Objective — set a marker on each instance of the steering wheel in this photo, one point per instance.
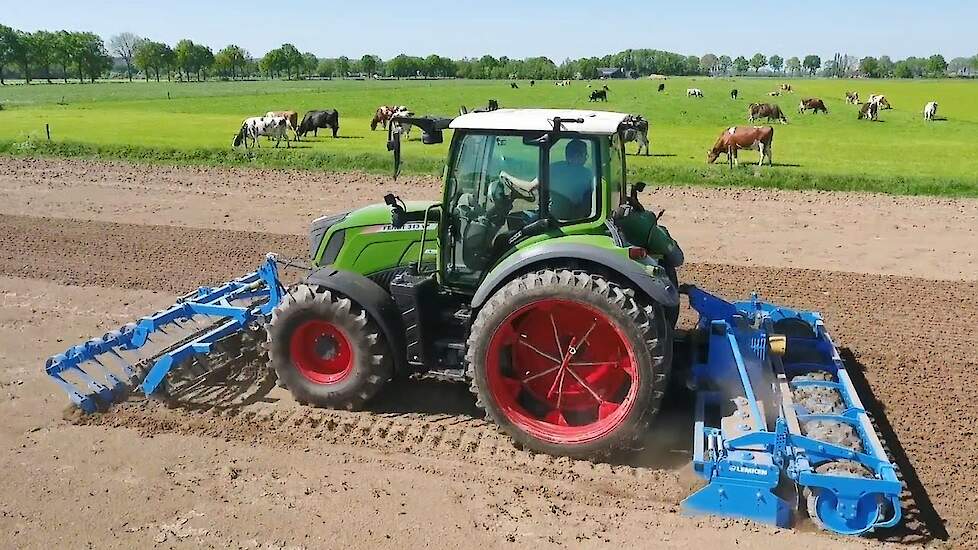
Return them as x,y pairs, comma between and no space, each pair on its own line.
515,191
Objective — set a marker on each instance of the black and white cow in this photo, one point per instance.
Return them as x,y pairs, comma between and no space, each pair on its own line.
275,127
636,129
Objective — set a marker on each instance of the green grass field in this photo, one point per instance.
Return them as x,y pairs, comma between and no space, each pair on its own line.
901,154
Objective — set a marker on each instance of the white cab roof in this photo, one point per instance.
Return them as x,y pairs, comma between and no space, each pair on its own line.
595,122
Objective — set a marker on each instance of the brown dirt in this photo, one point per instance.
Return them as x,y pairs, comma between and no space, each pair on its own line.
421,468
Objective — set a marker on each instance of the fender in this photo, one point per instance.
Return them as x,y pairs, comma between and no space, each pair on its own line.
658,288
377,303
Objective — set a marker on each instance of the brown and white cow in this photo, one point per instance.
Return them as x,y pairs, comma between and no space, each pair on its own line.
869,111
291,117
384,114
852,98
786,88
758,138
880,100
765,110
812,104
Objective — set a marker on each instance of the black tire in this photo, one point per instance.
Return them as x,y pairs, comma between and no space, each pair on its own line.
642,322
371,366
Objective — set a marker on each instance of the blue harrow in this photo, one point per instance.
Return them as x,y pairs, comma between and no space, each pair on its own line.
778,421
104,370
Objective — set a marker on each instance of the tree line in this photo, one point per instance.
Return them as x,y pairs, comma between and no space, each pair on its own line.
84,55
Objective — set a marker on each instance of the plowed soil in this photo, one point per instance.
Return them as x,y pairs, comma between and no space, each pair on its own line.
86,247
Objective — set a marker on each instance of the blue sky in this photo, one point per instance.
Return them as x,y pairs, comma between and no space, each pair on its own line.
557,29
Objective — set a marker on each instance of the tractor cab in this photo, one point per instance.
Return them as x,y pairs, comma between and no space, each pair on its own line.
517,176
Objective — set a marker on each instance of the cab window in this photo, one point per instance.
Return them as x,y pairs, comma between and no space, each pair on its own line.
573,179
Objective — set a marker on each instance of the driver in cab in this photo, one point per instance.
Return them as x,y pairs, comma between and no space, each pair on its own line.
571,183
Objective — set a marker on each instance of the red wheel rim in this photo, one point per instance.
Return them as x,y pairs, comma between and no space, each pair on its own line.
321,352
562,371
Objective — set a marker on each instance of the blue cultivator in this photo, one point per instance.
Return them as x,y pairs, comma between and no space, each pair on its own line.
777,418
103,370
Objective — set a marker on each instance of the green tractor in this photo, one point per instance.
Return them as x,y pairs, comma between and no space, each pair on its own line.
538,279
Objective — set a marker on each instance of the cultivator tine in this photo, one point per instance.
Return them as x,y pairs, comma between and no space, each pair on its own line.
102,371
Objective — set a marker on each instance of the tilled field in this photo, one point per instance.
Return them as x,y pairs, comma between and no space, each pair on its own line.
421,468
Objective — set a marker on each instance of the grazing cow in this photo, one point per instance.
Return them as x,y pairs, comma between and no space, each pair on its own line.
563,83
636,129
765,110
514,86
291,116
930,111
404,128
533,83
775,93
694,92
384,114
852,98
314,120
735,93
599,95
813,104
253,127
881,101
786,88
662,86
758,138
869,111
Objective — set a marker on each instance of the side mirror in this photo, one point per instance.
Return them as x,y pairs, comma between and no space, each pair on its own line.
433,137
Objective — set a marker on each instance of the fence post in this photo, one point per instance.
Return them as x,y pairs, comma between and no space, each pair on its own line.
47,130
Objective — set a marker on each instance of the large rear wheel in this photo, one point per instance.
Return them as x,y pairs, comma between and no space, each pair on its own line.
568,363
326,349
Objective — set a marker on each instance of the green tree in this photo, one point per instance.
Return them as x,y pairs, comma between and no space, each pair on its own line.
124,45
90,56
812,64
291,60
343,66
885,66
21,48
203,60
710,63
741,64
8,47
936,66
183,54
41,45
869,66
758,62
309,63
725,63
369,64
776,62
231,60
63,51
272,62
903,70
326,68
793,65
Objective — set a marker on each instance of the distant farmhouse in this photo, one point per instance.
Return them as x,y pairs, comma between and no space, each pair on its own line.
611,72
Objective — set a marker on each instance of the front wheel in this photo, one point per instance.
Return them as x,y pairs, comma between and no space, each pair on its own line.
569,363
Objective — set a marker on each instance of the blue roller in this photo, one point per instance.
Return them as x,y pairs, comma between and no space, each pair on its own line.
777,417
102,371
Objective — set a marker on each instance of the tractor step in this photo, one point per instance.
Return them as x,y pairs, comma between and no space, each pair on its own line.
774,404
